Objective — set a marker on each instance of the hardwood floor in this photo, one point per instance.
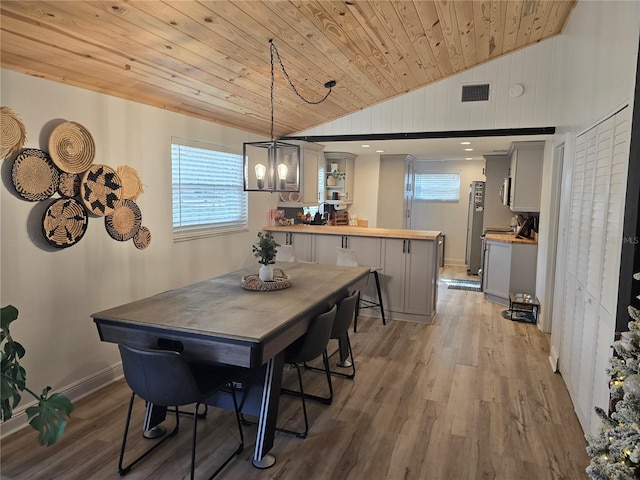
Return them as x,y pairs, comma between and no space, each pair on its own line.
470,397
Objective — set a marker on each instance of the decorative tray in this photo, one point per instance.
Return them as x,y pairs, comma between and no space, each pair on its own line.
280,281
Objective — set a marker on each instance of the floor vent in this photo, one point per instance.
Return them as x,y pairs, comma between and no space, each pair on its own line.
475,93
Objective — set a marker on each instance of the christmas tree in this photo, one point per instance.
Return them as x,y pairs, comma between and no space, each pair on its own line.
615,450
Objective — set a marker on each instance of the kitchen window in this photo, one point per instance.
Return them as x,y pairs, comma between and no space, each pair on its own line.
208,196
437,187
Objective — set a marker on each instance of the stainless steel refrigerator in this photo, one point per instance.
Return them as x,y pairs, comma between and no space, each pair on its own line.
473,256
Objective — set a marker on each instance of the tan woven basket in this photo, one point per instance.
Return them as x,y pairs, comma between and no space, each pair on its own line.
124,222
12,133
69,185
142,238
34,175
131,184
71,147
64,222
280,281
101,190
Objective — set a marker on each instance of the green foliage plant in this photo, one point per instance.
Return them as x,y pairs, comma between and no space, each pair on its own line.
265,248
48,416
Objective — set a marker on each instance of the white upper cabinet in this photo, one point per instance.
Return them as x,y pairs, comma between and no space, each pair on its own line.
526,176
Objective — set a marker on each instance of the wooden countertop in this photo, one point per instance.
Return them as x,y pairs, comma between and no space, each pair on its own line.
509,238
359,231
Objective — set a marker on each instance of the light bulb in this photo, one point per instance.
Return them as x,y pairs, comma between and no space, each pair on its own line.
261,171
282,175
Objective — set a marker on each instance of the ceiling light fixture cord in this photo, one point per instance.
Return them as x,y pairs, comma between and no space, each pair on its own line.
274,52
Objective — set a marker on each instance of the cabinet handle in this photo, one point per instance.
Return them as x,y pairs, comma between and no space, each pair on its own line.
404,246
408,246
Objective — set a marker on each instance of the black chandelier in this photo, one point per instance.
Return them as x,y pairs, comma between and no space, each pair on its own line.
274,166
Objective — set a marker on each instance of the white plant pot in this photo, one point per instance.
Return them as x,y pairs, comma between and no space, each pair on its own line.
266,273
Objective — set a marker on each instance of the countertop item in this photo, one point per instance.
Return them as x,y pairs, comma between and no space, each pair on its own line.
359,231
509,238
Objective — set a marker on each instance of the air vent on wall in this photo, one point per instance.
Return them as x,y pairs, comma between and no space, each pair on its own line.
475,93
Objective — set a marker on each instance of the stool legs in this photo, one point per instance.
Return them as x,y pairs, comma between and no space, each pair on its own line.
371,304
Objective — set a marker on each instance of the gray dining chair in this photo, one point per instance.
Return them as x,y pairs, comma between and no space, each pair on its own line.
309,347
164,378
340,331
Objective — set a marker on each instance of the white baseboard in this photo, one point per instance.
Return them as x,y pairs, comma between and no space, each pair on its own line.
553,359
74,392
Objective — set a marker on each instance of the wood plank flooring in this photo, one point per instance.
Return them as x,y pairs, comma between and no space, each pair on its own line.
470,397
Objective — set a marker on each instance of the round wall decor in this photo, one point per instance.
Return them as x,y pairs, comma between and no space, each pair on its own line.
131,183
34,175
124,222
12,133
101,190
64,222
71,147
69,185
142,238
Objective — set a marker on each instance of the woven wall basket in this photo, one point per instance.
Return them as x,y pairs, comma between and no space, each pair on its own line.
34,175
12,133
131,184
64,222
124,222
71,147
142,238
69,184
101,190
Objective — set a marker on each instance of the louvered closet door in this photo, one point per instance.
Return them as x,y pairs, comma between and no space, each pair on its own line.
593,262
598,161
612,247
567,365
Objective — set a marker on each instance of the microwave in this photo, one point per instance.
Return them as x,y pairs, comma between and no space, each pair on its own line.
505,191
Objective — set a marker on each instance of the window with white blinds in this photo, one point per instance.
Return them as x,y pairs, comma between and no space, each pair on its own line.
208,195
437,187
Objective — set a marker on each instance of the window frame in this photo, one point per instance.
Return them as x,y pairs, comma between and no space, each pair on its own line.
458,176
194,231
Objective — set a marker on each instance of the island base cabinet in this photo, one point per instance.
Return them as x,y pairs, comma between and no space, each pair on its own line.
302,244
409,284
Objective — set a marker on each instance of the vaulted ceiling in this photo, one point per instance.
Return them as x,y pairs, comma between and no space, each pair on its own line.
210,59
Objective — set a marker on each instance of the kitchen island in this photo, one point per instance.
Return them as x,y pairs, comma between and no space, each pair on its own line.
408,258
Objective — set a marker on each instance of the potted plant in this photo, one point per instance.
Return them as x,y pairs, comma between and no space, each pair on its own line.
334,177
48,416
265,250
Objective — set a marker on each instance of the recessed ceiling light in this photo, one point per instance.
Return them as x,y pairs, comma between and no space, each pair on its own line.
365,146
379,151
468,149
465,143
469,158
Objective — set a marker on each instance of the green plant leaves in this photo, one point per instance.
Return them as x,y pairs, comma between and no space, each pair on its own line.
48,417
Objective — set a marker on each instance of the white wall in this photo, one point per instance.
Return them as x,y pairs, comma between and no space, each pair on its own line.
437,107
56,291
448,217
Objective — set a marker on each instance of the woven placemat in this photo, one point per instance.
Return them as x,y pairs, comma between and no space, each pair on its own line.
64,222
34,175
142,238
12,133
101,190
69,184
124,222
131,183
71,147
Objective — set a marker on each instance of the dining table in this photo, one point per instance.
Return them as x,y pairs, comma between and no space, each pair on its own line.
219,321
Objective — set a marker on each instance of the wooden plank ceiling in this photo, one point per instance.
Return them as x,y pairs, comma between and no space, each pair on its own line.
210,59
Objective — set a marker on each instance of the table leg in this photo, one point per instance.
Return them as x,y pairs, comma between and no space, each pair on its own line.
268,412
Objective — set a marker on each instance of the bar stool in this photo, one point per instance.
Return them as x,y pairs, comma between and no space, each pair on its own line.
347,257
